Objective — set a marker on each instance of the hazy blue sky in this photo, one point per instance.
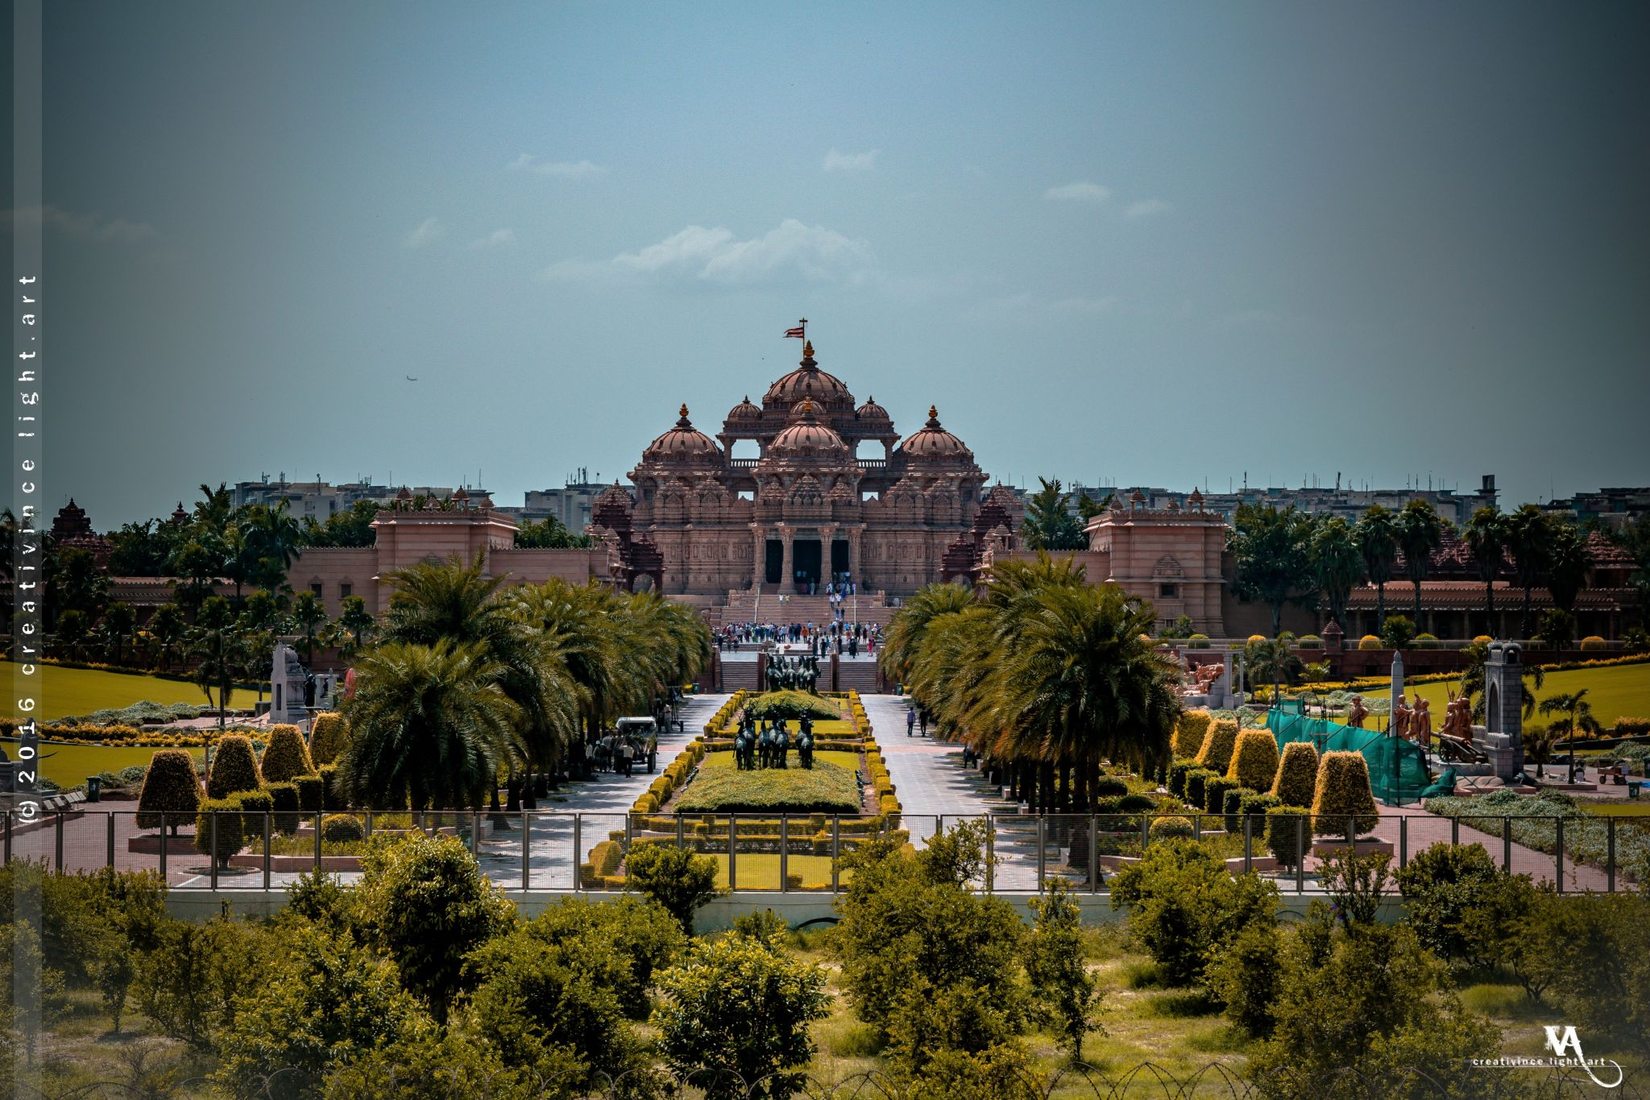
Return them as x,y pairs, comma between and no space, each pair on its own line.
1157,243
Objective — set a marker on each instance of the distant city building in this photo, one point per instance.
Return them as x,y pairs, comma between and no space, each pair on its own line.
571,505
1611,508
1454,506
320,499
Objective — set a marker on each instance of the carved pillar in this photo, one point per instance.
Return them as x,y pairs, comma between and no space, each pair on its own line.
854,534
827,537
760,570
787,574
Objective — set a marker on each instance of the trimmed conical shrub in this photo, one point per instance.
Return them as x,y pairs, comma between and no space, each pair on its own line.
1218,743
1255,760
1297,779
328,737
1343,795
170,787
234,768
286,757
1189,731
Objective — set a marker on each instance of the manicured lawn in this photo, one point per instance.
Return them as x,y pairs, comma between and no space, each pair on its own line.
62,692
1614,692
69,765
826,788
849,760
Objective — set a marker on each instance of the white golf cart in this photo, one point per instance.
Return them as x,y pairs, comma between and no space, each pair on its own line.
643,736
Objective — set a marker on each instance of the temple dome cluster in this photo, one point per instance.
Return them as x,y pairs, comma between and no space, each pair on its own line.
831,492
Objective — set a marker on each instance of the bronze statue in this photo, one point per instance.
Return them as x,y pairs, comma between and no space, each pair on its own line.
1400,718
1357,713
1420,722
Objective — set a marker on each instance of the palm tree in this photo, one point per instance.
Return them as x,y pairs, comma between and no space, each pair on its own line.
1578,718
1529,540
309,615
167,628
119,622
356,623
1270,549
1487,540
907,630
1337,562
429,726
1377,533
1273,661
1420,531
216,642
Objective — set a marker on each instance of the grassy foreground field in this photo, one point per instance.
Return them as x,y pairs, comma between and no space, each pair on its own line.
62,692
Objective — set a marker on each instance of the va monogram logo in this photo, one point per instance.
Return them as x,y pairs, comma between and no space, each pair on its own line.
1563,1041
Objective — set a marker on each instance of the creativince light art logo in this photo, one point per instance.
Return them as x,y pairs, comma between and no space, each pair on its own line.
1565,1045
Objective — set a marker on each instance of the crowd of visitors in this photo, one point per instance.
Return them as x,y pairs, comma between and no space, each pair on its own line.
839,637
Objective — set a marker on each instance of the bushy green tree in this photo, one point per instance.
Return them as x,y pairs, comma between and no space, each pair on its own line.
1184,906
424,901
1455,901
192,985
677,878
328,1001
452,1065
733,1018
639,934
1245,974
1054,964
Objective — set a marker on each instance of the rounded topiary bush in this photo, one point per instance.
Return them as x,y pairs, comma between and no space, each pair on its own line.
1369,642
169,787
1482,639
1165,828
218,828
1297,778
1309,641
1110,786
1254,760
1343,795
1136,803
1426,641
1195,779
1288,834
1198,641
1592,643
1218,744
234,767
328,737
342,829
286,757
1253,638
1214,793
1189,730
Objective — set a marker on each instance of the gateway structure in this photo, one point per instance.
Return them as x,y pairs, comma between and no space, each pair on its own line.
832,493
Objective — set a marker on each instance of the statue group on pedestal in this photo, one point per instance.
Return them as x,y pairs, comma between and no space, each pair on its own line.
1413,722
768,745
799,673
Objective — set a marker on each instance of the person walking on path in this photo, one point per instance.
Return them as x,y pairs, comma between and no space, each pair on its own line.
910,721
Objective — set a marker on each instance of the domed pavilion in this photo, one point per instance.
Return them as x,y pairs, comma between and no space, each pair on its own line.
833,492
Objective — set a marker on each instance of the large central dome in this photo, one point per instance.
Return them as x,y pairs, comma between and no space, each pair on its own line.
806,437
808,382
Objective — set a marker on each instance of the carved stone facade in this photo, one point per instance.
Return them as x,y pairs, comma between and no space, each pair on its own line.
809,508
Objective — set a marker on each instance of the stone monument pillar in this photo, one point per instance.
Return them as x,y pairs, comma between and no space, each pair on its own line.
1504,708
286,687
1397,696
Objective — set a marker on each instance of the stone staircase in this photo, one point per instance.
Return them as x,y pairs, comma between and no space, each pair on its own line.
744,606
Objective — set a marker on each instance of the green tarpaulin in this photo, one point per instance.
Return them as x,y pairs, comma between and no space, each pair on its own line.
1397,768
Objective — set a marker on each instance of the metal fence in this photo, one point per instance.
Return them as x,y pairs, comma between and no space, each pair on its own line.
563,851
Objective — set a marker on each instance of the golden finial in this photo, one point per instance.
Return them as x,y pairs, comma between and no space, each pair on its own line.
807,349
683,412
933,412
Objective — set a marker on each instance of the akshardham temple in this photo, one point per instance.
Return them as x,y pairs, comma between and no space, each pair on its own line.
833,493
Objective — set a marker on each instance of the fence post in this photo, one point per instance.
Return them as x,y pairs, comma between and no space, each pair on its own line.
212,833
990,853
527,852
1506,844
784,849
267,846
111,840
1455,830
1300,853
733,842
1558,853
59,829
1094,854
475,833
8,839
836,852
162,844
1042,852
1197,826
1610,854
1403,842
1248,843
318,840
578,845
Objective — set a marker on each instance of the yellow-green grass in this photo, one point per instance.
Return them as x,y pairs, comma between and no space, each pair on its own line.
826,788
760,870
849,760
69,765
61,692
1616,691
1612,809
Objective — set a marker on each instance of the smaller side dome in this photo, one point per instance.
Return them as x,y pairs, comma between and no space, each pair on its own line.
932,442
683,444
743,415
873,416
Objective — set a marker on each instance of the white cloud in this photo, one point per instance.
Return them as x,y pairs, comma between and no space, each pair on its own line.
561,169
86,227
498,238
791,250
1082,191
427,231
1147,208
851,162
